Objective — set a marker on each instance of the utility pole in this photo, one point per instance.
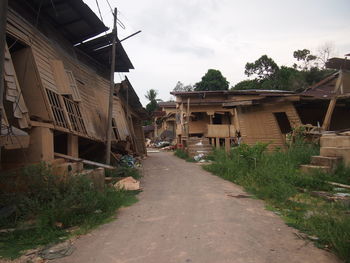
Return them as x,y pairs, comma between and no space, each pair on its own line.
3,18
111,90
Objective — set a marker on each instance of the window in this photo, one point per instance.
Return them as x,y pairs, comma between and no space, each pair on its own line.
73,86
65,80
75,117
283,122
115,129
57,109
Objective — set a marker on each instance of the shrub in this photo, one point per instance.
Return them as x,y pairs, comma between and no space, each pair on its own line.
275,177
52,203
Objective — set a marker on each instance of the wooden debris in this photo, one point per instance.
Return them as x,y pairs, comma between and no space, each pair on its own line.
340,185
60,155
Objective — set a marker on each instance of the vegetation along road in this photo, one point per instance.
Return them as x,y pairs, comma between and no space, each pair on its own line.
185,214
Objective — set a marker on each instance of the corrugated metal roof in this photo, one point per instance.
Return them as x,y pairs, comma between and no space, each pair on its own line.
128,93
101,48
235,92
73,18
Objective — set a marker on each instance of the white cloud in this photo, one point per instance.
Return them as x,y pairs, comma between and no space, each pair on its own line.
182,39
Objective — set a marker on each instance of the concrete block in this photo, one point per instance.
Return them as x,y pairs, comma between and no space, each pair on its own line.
65,169
343,152
97,176
335,141
332,162
308,168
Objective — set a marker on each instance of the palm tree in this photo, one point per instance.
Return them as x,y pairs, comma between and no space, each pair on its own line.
151,95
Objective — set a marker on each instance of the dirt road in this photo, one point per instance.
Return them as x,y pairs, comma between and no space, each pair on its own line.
186,215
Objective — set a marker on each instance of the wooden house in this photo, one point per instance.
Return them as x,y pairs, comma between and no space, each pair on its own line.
57,85
228,117
164,121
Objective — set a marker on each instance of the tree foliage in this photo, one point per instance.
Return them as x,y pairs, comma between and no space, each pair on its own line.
151,95
212,80
263,68
270,76
305,57
180,87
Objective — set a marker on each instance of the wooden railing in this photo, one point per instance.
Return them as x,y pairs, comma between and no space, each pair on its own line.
220,131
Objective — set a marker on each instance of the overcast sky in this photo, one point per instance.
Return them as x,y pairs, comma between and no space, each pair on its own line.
182,39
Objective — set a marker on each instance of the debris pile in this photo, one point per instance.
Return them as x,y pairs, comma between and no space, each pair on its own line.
128,183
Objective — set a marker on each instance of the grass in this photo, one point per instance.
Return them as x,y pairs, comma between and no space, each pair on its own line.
275,178
123,171
183,155
51,205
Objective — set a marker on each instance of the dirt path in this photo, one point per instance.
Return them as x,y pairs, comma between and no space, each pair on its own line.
185,215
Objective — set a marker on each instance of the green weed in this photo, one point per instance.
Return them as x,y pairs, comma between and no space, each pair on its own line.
276,178
51,204
183,155
123,171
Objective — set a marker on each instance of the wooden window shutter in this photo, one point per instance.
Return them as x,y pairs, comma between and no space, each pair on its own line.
73,86
60,76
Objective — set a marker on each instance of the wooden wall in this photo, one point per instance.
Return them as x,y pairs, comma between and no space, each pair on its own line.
92,87
258,123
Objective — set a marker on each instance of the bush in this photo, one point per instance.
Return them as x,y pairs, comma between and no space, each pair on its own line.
275,177
50,204
183,155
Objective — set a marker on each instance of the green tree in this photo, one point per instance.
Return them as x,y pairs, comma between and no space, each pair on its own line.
247,84
151,95
263,68
212,80
305,57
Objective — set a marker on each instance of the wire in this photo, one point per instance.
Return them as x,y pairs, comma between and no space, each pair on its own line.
54,8
120,23
110,7
99,10
38,14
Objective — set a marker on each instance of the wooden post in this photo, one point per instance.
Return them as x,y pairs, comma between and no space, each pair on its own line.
227,145
327,119
217,142
73,145
3,18
188,119
111,90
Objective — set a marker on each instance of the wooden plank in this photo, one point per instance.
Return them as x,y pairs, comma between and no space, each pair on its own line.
60,76
42,124
340,185
238,103
332,103
71,158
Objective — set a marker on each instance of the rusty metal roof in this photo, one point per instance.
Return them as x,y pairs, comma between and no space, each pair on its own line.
73,18
338,63
235,92
130,97
101,48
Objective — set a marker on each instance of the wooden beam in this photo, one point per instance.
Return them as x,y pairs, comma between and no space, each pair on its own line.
71,158
227,145
238,103
332,103
217,142
188,118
